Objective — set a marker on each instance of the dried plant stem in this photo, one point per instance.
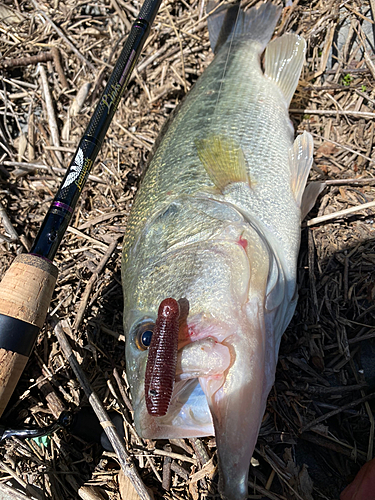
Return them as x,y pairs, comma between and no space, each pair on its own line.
28,487
75,231
11,494
32,166
264,492
121,389
85,296
14,62
50,111
340,213
134,137
53,55
125,461
365,180
345,147
31,138
65,38
331,112
56,59
181,49
342,408
8,226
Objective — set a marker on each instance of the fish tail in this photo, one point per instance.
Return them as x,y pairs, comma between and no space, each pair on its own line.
231,22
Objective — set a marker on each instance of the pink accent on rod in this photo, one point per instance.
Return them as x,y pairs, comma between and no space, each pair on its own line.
162,359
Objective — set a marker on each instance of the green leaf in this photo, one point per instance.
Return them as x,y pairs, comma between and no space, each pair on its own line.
347,80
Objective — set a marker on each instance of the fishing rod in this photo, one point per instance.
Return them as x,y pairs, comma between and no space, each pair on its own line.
27,286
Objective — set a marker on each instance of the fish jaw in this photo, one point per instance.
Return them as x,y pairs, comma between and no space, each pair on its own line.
225,397
189,414
238,406
202,362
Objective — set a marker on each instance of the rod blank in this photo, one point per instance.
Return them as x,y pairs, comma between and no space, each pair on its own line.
27,287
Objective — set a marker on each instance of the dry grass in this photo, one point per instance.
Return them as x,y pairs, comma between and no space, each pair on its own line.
318,428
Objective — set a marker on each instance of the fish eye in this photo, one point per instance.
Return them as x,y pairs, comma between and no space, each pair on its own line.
143,334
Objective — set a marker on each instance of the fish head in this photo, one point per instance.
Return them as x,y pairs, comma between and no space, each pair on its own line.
210,282
226,349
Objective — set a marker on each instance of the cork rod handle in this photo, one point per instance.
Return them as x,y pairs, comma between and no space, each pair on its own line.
25,294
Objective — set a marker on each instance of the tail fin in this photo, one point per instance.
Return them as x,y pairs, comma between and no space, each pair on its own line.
258,23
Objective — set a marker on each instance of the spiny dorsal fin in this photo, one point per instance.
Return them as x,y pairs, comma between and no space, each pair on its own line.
223,160
283,61
258,23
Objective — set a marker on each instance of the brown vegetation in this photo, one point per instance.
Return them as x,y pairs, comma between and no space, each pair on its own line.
319,426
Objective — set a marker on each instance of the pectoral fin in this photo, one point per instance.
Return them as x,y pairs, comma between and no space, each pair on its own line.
223,160
300,161
310,195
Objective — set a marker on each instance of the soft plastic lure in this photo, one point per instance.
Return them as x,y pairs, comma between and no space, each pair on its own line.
162,359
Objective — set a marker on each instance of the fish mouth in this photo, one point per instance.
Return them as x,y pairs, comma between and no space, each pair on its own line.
238,406
221,389
201,369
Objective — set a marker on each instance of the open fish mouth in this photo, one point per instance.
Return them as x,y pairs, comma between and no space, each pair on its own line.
201,370
221,385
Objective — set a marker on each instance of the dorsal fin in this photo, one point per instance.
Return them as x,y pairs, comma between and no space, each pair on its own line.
258,23
283,61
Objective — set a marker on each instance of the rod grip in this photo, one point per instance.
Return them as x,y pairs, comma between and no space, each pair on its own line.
25,294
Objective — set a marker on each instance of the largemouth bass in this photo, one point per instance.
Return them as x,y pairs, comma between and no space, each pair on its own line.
216,226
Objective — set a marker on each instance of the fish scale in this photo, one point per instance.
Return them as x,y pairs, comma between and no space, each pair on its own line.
255,114
216,223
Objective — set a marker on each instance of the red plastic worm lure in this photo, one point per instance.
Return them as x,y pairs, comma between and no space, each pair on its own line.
162,359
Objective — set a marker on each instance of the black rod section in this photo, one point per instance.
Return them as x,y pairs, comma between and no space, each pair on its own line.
61,210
